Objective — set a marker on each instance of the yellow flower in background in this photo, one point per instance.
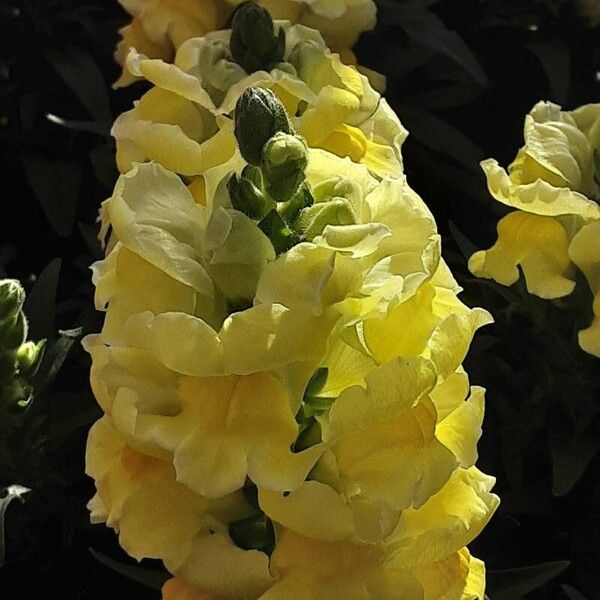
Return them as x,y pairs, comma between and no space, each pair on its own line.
554,183
184,122
280,370
159,27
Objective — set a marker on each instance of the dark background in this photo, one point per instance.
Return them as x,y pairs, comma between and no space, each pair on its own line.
462,75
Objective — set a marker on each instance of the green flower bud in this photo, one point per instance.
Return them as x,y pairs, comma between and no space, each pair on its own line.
13,332
254,45
12,297
259,115
29,357
285,158
248,197
312,220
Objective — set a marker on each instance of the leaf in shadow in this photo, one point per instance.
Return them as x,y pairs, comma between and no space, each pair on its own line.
572,593
513,584
152,579
54,358
571,456
84,78
41,302
465,245
555,58
56,184
437,134
429,30
9,494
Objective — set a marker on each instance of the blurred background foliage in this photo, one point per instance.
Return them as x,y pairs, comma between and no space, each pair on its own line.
462,75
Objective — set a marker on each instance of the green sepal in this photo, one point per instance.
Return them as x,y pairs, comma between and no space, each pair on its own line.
253,533
276,229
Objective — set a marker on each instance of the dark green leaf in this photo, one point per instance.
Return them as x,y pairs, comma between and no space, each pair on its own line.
54,358
439,135
466,246
40,305
555,58
83,76
428,29
9,494
56,184
571,456
513,584
152,579
572,593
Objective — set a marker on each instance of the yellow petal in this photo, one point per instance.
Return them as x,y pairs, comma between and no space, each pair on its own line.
539,245
448,521
383,436
179,589
157,517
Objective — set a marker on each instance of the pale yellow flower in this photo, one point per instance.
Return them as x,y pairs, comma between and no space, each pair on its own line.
283,342
158,517
184,121
423,557
159,27
553,184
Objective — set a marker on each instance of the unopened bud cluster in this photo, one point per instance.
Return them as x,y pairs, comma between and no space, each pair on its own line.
19,359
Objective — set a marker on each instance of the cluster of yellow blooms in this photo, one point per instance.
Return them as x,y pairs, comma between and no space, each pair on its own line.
280,367
554,183
159,27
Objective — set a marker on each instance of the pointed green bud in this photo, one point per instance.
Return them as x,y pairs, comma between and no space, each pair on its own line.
285,158
254,44
13,332
259,115
12,297
248,197
29,357
312,220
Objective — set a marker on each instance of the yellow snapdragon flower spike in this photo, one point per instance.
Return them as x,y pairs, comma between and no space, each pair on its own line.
159,27
184,121
554,186
286,414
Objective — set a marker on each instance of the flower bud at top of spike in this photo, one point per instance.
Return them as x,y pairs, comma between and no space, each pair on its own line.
254,45
12,297
259,115
13,332
284,162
